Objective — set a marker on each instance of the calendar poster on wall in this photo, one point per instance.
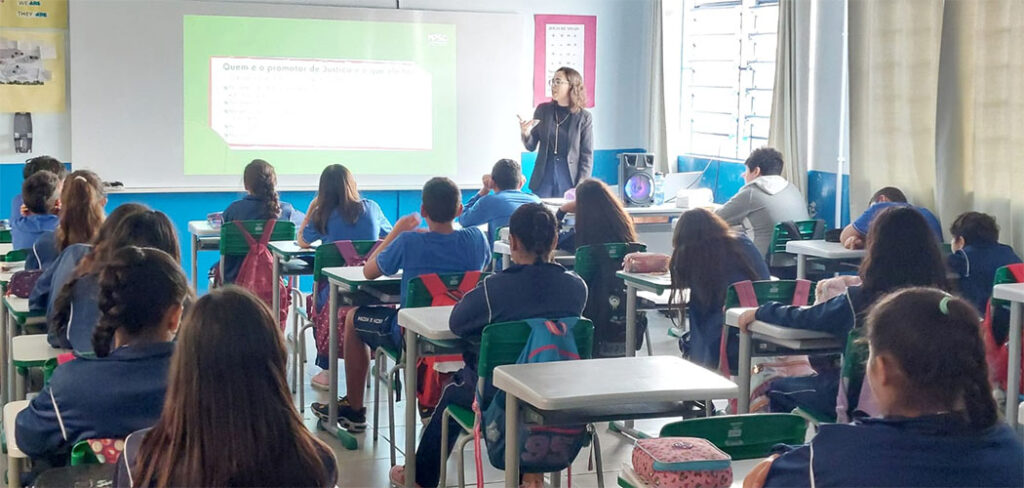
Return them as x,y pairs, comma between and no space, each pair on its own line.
563,40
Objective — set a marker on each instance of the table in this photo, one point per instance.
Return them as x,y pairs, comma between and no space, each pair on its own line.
595,390
14,455
205,237
819,249
1014,293
430,323
801,340
656,283
5,248
284,251
349,279
16,313
30,351
565,258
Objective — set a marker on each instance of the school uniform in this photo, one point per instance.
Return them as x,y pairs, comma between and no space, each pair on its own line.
88,398
544,290
25,229
44,251
936,450
762,203
54,277
494,209
85,314
863,223
252,208
975,266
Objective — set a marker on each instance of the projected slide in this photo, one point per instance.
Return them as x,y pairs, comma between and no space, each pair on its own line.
376,96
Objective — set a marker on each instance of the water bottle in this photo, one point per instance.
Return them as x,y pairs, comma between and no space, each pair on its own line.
659,188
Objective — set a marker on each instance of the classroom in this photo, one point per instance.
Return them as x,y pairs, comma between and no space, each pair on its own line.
419,243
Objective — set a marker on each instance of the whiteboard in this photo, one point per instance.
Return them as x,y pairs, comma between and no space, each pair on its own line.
126,90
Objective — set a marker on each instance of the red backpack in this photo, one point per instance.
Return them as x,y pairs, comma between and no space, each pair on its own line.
998,355
256,273
441,295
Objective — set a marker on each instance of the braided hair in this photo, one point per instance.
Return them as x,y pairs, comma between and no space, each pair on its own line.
535,228
261,181
936,341
136,288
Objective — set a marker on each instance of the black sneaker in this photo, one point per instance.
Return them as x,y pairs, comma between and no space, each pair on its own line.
349,418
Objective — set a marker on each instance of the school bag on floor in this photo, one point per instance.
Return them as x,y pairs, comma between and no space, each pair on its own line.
542,448
256,273
681,462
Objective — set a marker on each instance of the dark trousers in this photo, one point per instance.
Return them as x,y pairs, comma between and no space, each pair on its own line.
557,178
815,394
428,453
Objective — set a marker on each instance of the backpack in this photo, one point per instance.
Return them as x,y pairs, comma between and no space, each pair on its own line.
256,273
22,282
543,448
441,295
995,333
320,316
606,301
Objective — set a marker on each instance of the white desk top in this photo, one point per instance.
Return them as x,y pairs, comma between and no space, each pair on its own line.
354,275
5,248
611,381
1013,292
655,282
776,331
33,348
823,249
428,322
665,209
11,410
290,248
202,228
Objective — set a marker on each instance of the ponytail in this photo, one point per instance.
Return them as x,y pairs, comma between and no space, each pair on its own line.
535,228
81,213
261,182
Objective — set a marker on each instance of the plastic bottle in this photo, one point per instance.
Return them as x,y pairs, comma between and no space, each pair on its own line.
659,188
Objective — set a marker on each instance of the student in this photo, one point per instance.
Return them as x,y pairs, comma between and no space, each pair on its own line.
442,249
39,193
230,352
855,233
506,179
600,218
74,315
765,200
901,252
977,254
82,200
121,389
938,425
339,214
707,258
33,166
533,287
261,203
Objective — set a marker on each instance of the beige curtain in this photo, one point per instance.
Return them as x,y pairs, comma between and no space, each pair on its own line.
666,53
787,129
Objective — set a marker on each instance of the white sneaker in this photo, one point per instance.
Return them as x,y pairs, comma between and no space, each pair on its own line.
319,381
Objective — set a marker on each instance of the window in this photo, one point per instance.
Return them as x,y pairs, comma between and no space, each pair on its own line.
728,71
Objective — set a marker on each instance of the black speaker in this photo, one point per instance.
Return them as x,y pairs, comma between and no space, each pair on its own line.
636,179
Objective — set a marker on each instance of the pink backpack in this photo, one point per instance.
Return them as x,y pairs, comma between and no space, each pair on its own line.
320,315
256,273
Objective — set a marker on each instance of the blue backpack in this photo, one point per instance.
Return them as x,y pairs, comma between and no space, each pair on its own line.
543,448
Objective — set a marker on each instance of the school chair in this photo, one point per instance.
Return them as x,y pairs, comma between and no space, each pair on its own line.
743,436
5,236
496,264
233,242
780,262
501,344
606,296
995,327
419,293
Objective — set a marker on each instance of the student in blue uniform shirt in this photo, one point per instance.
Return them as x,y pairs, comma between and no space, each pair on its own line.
855,234
706,258
82,200
33,166
121,390
494,209
261,203
442,249
977,254
901,252
939,424
532,288
39,192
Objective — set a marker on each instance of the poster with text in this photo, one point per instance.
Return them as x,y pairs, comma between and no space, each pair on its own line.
34,14
563,40
32,69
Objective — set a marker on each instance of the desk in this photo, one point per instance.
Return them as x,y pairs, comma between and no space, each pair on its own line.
430,323
1014,293
595,390
349,279
656,283
16,313
14,455
819,249
30,351
205,237
795,339
283,251
5,248
565,258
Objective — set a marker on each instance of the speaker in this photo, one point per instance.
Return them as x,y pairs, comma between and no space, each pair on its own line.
636,179
22,132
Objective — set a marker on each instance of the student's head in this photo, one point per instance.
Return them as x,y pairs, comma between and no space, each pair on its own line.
115,218
927,356
765,161
43,163
702,248
337,193
81,211
228,418
507,174
974,228
567,85
901,252
533,233
39,192
142,291
600,218
888,194
441,200
261,182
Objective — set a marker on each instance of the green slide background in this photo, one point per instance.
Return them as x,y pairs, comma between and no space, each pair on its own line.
205,36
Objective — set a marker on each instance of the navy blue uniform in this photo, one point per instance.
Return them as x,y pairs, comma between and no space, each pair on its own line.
975,266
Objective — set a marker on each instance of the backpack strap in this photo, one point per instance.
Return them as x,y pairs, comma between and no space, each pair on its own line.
439,293
791,230
469,281
268,232
351,256
745,293
1017,270
248,237
801,293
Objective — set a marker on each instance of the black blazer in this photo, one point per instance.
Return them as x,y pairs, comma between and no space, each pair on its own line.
581,143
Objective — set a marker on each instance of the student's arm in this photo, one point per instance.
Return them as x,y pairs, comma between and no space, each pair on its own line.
475,212
736,209
38,427
851,237
836,316
389,265
531,140
307,234
790,469
958,263
382,220
39,298
585,163
472,313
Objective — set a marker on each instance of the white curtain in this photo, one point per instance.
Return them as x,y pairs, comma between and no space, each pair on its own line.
788,128
666,54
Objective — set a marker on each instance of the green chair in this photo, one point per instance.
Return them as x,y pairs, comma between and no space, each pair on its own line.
743,436
233,243
5,236
606,300
782,262
501,344
16,256
765,291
